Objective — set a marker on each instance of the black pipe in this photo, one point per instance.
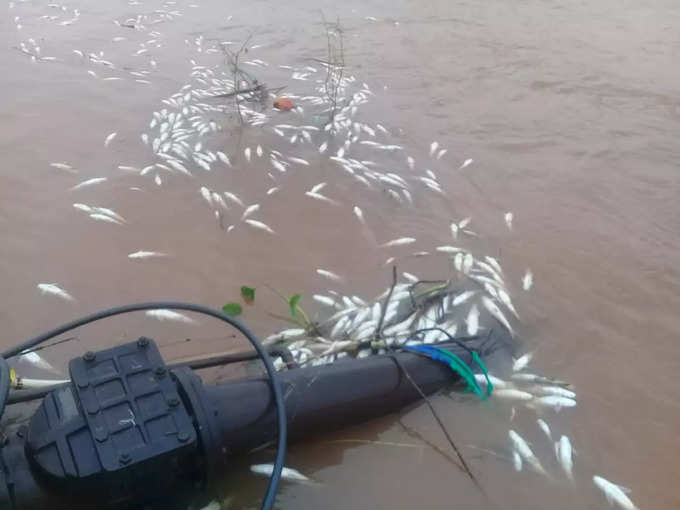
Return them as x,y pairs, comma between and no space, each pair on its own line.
230,418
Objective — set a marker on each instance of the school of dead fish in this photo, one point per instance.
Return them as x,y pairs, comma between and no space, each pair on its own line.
178,139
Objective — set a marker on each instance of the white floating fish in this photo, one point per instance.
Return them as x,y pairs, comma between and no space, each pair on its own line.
321,198
496,313
55,290
516,460
63,166
614,493
273,190
324,300
523,449
146,254
299,161
260,225
258,151
463,297
508,219
522,362
512,394
433,148
158,180
105,218
554,402
109,139
527,280
170,315
411,162
289,474
472,321
545,428
318,187
234,198
399,242
359,214
564,456
468,262
465,164
89,182
329,274
246,152
323,147
250,210
34,359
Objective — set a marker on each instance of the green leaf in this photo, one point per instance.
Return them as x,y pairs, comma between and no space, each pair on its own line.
248,294
293,304
232,309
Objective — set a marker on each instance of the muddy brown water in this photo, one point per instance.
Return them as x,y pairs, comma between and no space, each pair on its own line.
571,112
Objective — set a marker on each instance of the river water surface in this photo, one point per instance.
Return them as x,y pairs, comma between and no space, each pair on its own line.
571,113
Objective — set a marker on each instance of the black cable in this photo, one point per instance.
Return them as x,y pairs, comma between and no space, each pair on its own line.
275,478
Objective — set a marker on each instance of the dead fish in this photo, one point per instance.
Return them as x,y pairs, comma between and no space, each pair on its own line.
207,195
614,493
329,274
89,182
555,390
146,254
472,321
522,362
323,147
553,401
495,381
63,166
320,197
463,297
521,446
454,230
55,290
289,474
468,262
233,198
324,300
278,165
512,394
441,153
36,360
260,225
359,214
465,164
246,152
126,168
158,180
433,147
104,217
496,313
224,158
273,190
399,242
508,219
563,451
448,249
527,280
163,314
318,187
545,428
250,210
109,139
258,151
299,161
516,460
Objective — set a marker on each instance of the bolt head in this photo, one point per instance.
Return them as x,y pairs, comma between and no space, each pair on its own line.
89,356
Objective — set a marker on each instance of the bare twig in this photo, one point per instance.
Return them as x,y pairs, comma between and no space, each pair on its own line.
464,464
335,65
